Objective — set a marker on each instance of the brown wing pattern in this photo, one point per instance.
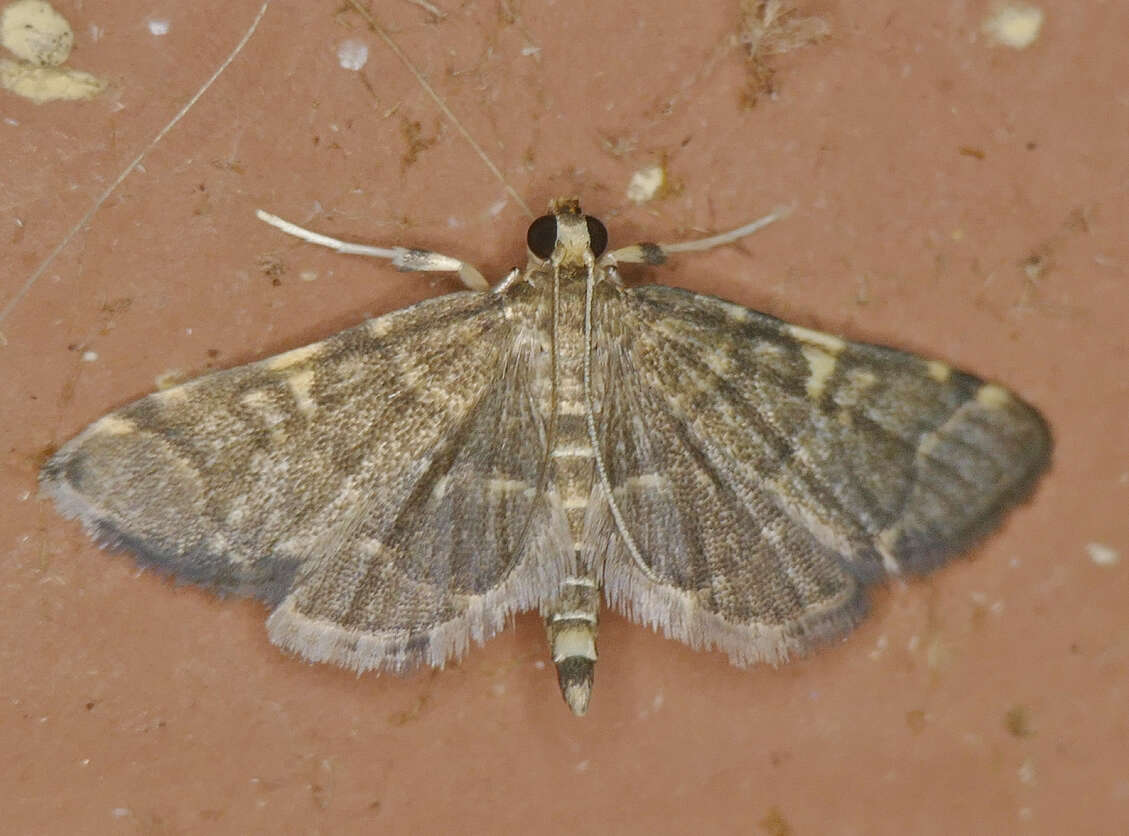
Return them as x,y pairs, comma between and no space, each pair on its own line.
767,472
321,466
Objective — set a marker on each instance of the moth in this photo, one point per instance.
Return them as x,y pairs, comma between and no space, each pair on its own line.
400,489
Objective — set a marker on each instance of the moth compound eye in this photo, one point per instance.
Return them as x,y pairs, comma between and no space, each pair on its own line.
542,236
597,235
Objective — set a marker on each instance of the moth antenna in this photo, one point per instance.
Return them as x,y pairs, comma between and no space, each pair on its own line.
647,253
403,258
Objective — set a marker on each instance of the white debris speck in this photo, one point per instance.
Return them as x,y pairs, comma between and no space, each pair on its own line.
120,812
159,28
530,50
1102,554
352,54
495,208
1015,25
89,356
879,648
645,183
583,766
1027,772
308,275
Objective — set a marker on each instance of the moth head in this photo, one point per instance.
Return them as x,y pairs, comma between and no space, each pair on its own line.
566,235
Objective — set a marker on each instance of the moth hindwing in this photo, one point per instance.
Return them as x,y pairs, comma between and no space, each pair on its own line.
402,487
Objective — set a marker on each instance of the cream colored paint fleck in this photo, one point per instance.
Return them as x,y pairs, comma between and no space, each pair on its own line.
48,84
41,39
1016,25
34,32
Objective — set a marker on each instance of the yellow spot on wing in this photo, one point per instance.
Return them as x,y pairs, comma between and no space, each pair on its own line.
648,481
885,544
832,345
379,327
736,312
292,358
719,363
113,425
172,395
504,486
821,365
256,398
300,384
992,396
937,370
572,502
928,443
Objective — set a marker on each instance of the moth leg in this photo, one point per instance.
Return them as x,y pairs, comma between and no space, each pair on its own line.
572,622
648,253
403,258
